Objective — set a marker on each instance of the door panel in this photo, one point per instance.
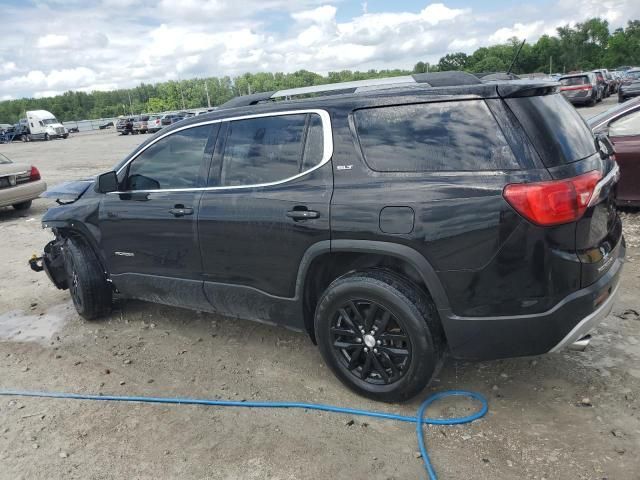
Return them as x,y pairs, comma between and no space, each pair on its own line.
149,230
273,183
247,237
628,158
140,235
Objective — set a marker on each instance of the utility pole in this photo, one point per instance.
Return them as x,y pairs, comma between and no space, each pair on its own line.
206,89
550,64
130,105
249,87
181,93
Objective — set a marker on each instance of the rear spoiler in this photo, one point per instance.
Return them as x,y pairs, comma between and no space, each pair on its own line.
526,89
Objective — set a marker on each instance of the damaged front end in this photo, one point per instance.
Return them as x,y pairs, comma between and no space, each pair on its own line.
52,262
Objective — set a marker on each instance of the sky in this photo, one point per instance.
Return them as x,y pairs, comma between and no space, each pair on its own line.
50,46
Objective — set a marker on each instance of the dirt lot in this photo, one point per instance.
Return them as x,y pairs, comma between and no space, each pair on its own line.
537,426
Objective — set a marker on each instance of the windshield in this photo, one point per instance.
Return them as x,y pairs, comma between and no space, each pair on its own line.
4,159
633,75
50,121
570,81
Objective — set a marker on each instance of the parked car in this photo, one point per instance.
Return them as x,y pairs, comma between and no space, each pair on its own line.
630,85
390,224
125,125
104,126
140,125
622,124
20,183
154,123
603,82
170,118
611,81
581,88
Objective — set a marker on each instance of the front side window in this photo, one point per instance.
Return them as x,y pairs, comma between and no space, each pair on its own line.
628,125
443,136
270,149
172,162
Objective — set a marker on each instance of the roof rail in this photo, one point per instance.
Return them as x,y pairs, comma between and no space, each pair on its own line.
246,100
436,79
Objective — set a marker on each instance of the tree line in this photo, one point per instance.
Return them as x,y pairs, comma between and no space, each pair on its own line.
585,46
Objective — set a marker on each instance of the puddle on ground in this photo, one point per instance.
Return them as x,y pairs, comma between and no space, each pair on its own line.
19,326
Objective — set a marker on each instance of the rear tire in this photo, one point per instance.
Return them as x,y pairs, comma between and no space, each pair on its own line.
90,291
23,205
379,334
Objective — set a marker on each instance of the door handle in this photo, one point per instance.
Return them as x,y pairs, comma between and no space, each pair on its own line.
180,211
302,214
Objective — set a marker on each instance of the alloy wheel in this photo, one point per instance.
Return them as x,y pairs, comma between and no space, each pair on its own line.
370,343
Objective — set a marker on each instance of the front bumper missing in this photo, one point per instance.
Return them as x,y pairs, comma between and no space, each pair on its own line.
52,262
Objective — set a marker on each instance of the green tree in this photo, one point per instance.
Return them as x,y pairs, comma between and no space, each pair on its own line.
453,61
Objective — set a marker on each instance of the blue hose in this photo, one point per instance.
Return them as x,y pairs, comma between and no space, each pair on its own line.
419,420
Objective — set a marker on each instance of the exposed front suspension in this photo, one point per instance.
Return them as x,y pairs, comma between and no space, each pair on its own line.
52,262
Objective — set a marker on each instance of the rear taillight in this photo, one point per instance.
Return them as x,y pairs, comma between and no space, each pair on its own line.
554,202
34,175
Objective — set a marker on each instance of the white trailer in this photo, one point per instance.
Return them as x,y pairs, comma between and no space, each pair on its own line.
43,125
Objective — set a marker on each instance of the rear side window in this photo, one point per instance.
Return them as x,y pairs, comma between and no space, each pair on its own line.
271,149
555,128
446,136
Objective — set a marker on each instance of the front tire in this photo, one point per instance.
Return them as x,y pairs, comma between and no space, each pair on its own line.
379,334
46,137
23,205
90,291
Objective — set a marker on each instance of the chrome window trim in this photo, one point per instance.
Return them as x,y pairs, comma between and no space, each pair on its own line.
326,155
617,117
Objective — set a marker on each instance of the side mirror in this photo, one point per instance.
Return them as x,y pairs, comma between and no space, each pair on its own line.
107,182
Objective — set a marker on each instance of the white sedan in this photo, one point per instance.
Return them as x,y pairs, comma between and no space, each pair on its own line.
19,184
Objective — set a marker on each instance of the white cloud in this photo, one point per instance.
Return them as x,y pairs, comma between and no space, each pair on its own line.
519,30
52,40
120,43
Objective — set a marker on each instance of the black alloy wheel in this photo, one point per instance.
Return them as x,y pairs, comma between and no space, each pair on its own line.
379,333
370,343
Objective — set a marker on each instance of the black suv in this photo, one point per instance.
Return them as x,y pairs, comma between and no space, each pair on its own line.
393,220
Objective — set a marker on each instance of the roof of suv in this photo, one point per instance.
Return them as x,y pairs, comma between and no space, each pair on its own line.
449,85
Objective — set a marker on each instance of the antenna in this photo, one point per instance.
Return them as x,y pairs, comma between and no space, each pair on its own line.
513,62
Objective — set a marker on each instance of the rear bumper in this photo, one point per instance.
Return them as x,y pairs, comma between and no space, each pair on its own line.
628,93
580,100
21,193
485,338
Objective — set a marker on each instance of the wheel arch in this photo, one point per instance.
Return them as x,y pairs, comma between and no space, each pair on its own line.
80,231
327,260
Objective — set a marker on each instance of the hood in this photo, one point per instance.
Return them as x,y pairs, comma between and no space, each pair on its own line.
68,192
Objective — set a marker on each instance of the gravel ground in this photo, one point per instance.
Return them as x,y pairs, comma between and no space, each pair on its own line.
559,416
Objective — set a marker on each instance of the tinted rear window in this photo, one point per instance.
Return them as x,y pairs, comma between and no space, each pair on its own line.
570,81
555,128
445,136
